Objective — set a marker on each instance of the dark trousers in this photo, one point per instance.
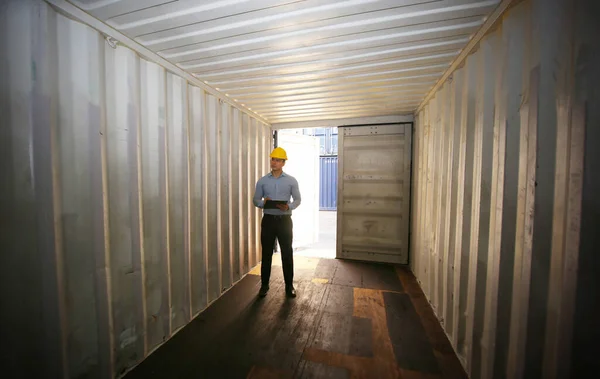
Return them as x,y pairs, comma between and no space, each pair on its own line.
280,227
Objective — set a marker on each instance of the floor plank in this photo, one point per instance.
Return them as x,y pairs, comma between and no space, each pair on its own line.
381,277
411,345
347,274
447,359
357,321
313,370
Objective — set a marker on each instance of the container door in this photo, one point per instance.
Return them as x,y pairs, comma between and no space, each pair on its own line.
303,164
374,193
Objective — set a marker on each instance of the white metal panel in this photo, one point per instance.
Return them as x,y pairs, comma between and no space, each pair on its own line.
177,187
80,199
123,197
374,193
152,161
517,168
235,183
355,58
253,221
225,193
247,191
110,176
212,185
197,199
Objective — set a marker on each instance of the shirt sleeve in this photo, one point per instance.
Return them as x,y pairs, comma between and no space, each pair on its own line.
258,195
295,195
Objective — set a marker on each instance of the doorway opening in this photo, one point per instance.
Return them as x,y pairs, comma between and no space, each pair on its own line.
313,161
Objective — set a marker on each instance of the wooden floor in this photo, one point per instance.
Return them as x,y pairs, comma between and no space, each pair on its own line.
350,320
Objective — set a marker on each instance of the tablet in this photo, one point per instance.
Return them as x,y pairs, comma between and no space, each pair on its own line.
272,204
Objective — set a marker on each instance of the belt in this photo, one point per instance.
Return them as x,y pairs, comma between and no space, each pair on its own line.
277,217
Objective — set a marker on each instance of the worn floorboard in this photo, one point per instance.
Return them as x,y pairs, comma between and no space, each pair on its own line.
350,320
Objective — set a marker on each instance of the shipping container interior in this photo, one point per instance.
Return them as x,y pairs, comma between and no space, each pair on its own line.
133,132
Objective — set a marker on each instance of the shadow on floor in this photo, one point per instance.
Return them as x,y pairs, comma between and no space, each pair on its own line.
350,320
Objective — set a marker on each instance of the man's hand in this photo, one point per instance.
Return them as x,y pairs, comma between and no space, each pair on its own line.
265,200
283,207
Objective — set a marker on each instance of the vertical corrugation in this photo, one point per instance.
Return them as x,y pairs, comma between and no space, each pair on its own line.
516,163
197,204
484,71
474,185
152,125
457,110
266,160
262,158
425,276
488,340
137,220
109,166
257,170
513,31
524,226
446,200
567,206
471,85
176,190
458,214
104,280
120,143
483,185
225,188
251,183
82,203
236,196
246,194
406,187
45,158
416,198
446,241
163,175
441,198
437,135
212,184
203,133
424,258
187,200
33,272
582,261
551,28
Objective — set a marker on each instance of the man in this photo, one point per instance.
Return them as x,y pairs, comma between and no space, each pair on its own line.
277,222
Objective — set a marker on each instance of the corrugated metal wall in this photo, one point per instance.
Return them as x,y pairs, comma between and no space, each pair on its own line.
328,177
126,203
505,195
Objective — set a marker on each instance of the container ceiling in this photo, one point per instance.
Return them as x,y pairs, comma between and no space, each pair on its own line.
291,61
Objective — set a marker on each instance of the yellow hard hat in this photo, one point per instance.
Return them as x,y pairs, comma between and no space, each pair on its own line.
279,153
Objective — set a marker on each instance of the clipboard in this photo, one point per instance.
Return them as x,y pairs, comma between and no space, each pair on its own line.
272,204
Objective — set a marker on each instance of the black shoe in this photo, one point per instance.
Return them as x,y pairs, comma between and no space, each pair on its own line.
290,291
263,291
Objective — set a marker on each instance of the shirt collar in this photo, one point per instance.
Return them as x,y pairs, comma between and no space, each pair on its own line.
282,174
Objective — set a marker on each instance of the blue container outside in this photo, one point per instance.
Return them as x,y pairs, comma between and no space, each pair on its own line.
328,183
